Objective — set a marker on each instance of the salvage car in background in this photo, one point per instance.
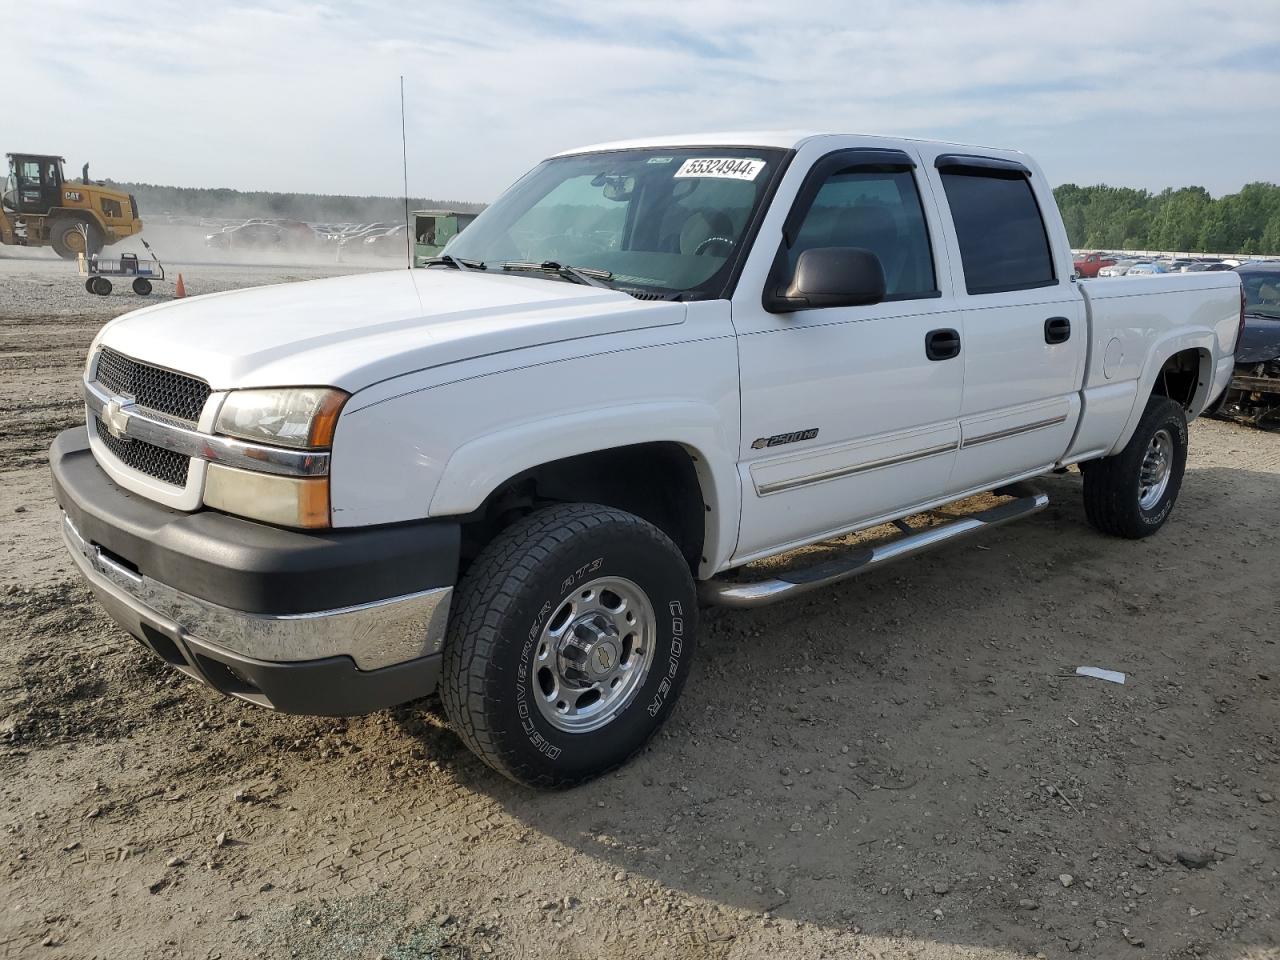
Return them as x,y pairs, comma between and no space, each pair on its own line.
1089,264
386,243
1254,394
1146,268
253,233
1117,269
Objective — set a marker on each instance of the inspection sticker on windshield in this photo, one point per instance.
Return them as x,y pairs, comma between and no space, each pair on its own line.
730,168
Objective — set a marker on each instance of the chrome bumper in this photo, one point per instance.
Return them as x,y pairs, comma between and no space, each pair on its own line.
373,635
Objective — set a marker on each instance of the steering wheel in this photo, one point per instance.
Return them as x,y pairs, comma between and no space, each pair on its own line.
701,248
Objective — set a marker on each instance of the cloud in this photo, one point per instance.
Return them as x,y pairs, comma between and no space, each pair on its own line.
304,96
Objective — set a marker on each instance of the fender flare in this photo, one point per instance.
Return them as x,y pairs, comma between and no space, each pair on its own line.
1161,351
479,467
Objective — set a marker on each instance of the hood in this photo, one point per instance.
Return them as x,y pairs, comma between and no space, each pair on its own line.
1261,340
351,332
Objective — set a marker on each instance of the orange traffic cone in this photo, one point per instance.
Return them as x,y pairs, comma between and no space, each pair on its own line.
181,289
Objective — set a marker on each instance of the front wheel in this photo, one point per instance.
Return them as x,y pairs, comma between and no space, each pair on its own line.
572,635
69,240
1132,493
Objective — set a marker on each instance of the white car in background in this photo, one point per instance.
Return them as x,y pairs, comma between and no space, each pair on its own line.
1117,269
1147,268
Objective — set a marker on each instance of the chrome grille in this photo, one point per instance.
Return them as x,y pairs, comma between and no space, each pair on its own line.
173,394
164,465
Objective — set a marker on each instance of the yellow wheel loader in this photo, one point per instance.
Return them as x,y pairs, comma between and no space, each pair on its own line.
40,208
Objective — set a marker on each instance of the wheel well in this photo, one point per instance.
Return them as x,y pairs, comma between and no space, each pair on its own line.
1181,377
60,214
656,481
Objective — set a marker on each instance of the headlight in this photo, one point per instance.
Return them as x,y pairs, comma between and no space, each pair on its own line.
288,417
300,417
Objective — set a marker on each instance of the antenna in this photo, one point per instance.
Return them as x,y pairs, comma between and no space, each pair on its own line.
404,157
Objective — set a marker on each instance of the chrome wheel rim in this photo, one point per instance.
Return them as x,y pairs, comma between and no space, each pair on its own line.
1157,465
593,654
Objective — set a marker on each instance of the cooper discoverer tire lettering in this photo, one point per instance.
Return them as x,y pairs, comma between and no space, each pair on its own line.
571,639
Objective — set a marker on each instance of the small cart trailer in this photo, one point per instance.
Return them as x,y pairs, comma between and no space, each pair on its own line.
96,270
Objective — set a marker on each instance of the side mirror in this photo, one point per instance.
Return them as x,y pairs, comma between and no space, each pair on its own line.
829,277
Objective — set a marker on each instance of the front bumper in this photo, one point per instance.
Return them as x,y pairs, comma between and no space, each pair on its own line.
328,623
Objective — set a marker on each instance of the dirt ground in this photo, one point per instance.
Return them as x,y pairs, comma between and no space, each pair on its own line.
903,766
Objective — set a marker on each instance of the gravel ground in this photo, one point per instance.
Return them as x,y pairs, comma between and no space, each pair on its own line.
902,766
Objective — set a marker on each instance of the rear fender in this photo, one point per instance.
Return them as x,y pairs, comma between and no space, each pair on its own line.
1203,342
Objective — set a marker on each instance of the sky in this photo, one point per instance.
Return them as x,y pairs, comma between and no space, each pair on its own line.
293,96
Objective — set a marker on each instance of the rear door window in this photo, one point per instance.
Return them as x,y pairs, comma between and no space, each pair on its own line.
1003,242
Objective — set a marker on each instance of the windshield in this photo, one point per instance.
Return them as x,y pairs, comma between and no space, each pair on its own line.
667,222
1262,292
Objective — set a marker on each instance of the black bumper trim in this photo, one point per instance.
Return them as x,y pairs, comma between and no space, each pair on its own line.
333,687
329,687
242,564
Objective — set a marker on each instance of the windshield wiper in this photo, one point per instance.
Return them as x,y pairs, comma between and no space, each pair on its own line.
458,263
591,276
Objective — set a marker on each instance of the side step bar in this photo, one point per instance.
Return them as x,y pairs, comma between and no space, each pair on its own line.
726,593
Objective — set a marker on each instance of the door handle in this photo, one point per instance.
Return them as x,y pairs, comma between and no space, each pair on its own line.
942,344
1057,330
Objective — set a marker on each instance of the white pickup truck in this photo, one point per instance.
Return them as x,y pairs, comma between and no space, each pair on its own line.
512,474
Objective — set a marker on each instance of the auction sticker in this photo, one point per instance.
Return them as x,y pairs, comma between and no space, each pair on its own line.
729,168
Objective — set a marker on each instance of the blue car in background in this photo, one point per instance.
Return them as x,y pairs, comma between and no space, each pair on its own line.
1254,393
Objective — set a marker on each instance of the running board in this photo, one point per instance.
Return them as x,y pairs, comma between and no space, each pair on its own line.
726,593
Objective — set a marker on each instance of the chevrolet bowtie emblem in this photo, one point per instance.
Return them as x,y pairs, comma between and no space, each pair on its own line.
115,418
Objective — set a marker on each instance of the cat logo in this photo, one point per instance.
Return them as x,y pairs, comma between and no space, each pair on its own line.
781,438
71,195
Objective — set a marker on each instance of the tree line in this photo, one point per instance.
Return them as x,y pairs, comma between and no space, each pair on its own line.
1187,219
157,200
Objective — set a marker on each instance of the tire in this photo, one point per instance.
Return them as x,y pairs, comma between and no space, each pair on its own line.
142,286
64,235
522,629
1122,494
101,286
89,284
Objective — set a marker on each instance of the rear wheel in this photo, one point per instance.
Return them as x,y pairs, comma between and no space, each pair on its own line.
1132,493
572,636
69,241
101,286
